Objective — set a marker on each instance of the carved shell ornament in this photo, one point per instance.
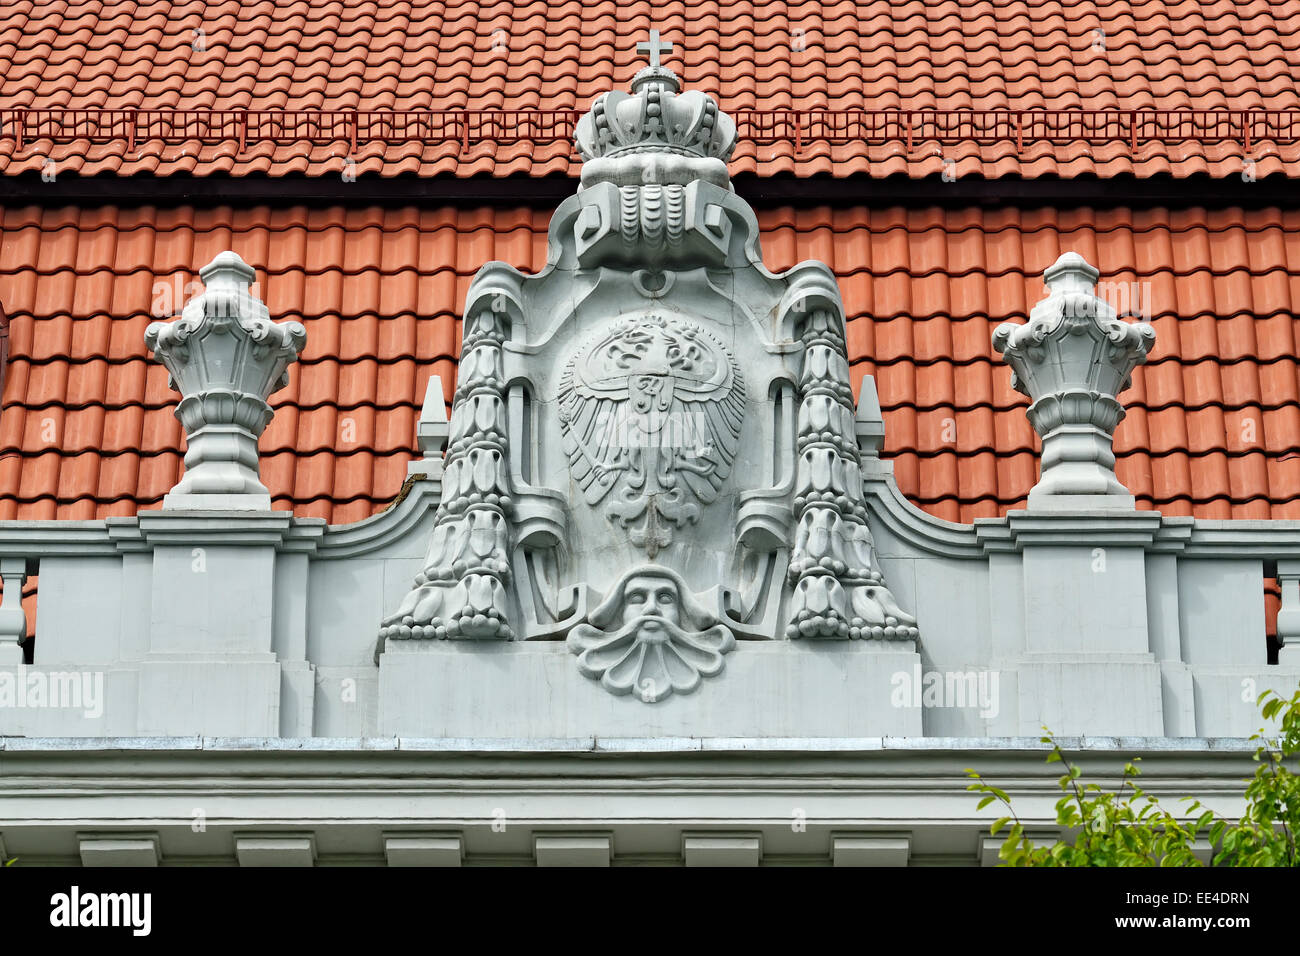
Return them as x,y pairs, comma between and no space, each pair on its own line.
650,637
651,411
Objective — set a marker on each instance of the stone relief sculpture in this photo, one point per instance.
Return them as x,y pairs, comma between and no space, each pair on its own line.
650,636
461,593
652,450
652,408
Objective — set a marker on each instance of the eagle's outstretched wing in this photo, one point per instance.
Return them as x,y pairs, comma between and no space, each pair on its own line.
715,418
593,441
696,433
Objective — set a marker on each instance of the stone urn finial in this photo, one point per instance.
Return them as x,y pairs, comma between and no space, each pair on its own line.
1073,358
225,356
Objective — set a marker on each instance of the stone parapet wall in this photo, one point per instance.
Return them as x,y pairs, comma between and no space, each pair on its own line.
1102,623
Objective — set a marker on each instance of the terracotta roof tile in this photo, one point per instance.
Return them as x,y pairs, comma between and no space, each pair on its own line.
1213,425
1280,381
323,54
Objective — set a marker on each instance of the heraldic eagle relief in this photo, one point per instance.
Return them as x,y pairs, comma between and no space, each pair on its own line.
652,452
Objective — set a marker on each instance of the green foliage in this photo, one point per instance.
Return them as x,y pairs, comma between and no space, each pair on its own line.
1129,827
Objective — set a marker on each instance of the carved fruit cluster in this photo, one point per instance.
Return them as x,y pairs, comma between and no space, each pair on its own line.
461,592
839,592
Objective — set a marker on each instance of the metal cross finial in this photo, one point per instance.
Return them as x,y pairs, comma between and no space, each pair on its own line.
654,48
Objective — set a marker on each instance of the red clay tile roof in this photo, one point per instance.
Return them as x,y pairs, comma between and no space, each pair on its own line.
1213,427
874,54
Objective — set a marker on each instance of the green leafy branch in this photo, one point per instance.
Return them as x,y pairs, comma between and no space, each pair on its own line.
1129,827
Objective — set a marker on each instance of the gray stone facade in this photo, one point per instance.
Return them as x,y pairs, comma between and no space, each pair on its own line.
656,514
655,508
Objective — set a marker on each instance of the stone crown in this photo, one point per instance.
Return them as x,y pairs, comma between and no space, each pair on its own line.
656,117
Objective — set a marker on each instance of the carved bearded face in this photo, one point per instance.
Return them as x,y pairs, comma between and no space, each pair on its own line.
650,601
650,637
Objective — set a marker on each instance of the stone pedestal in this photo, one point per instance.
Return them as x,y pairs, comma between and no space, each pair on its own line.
1090,696
1087,666
210,668
533,690
209,697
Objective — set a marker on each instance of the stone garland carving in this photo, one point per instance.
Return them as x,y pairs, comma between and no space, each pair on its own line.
461,593
839,591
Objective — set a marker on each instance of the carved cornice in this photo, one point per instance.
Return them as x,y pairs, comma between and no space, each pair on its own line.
1022,529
